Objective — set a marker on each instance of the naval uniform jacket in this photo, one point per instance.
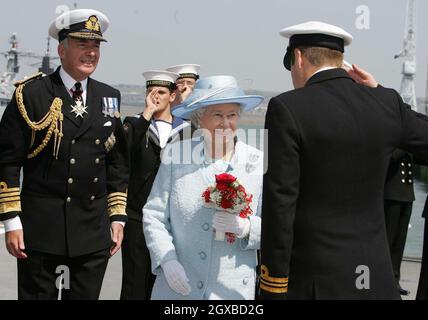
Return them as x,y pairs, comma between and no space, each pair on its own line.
399,179
66,204
145,157
323,225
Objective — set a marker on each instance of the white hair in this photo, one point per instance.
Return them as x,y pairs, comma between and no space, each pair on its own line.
64,43
196,116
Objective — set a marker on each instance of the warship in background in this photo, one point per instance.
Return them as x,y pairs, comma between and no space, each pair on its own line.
13,56
12,69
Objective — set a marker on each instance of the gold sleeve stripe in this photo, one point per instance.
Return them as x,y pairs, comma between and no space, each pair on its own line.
117,210
9,194
123,194
7,197
6,190
273,290
274,284
121,203
10,206
116,198
10,199
265,276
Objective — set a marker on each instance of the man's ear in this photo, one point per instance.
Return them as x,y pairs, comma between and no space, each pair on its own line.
61,50
172,96
298,58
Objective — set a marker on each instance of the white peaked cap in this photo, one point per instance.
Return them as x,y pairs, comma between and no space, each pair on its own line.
79,23
184,69
317,27
160,77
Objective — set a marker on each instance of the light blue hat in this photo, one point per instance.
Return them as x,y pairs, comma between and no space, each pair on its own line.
216,90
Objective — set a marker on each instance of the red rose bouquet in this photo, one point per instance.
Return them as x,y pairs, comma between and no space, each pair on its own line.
228,195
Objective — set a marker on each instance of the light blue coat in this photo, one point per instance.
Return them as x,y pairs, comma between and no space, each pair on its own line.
178,226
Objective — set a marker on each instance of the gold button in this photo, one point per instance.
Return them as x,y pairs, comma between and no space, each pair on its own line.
72,161
73,141
410,172
97,160
402,164
410,180
402,172
68,199
95,180
403,181
70,180
97,141
92,197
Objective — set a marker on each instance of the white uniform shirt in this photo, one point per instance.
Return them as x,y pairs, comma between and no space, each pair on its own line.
164,130
69,83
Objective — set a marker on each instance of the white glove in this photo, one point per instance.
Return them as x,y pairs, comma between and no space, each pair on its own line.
176,277
233,223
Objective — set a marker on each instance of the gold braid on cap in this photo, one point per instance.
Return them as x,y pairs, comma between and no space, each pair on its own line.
53,119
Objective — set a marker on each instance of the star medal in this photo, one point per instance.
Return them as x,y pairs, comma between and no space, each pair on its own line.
79,109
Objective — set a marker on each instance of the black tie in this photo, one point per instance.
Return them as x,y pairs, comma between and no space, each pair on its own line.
77,96
77,92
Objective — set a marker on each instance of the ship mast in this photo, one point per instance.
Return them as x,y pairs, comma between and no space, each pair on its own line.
407,88
12,65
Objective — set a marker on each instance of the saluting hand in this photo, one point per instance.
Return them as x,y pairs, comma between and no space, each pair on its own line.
152,102
361,76
15,243
116,237
183,93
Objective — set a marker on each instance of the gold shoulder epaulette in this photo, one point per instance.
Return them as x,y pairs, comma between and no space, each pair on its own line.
30,78
52,120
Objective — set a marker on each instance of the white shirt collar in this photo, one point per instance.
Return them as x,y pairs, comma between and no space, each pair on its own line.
69,82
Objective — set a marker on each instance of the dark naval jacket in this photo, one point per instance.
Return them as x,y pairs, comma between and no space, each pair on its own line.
74,184
399,179
323,227
145,157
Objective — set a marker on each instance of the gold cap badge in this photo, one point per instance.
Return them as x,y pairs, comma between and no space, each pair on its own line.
93,24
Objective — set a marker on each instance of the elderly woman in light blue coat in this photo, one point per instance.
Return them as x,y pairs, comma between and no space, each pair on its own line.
179,229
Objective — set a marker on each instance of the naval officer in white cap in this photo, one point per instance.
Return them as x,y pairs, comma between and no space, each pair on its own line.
188,75
69,140
330,143
147,134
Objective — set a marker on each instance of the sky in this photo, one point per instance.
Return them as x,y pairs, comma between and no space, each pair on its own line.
235,37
